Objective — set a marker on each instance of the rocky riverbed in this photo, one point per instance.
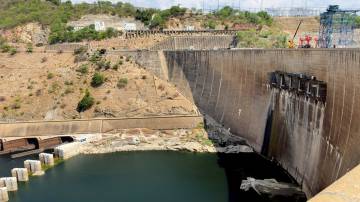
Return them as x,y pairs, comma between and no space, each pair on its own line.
209,138
193,140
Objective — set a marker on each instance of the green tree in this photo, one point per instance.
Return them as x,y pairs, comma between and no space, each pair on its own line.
157,21
252,17
86,102
177,11
357,21
265,18
145,16
225,12
210,24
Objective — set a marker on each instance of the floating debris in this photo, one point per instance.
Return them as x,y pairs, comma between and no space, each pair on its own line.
270,187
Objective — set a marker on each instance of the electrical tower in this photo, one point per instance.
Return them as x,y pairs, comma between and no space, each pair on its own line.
337,27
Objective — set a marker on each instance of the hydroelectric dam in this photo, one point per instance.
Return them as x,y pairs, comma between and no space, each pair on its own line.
316,141
298,107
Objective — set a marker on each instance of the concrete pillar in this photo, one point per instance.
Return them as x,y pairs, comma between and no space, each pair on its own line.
4,196
21,174
33,167
47,159
67,150
9,182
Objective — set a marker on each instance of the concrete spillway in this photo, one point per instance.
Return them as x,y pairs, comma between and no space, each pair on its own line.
317,143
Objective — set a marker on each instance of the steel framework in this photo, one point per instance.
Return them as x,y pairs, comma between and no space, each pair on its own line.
337,27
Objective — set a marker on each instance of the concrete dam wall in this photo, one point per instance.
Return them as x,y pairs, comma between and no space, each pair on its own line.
315,142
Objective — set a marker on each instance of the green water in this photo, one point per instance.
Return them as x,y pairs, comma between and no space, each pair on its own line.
144,177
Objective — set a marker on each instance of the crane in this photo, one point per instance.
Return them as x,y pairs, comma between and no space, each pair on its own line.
291,43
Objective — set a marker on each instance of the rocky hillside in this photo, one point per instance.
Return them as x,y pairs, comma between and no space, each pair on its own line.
289,24
49,86
34,33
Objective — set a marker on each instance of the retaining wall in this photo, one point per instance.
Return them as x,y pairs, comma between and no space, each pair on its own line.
147,33
149,60
65,47
196,43
49,128
316,143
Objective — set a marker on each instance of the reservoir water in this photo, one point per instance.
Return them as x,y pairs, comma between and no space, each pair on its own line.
146,176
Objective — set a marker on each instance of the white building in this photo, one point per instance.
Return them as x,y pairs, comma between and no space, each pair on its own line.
102,22
190,28
129,26
99,26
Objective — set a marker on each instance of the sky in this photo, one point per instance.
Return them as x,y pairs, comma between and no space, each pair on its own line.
246,4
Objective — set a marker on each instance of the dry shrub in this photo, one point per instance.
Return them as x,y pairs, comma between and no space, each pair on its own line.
161,87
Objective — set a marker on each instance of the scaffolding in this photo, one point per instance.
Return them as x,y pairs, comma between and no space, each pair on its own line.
337,28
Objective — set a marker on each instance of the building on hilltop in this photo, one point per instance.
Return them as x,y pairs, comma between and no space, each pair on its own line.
102,22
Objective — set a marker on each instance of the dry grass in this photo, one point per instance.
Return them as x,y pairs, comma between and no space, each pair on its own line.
29,93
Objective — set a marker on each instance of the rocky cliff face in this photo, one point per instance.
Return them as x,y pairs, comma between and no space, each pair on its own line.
29,33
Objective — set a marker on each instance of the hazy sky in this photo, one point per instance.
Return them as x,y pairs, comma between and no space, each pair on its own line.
243,3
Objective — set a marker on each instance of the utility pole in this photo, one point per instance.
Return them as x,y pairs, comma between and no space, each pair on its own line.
239,5
203,9
218,8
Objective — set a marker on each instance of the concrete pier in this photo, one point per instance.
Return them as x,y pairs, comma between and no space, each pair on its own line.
9,182
67,151
34,167
21,174
46,159
4,196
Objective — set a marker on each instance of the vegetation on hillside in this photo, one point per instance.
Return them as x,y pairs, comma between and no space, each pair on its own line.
357,22
157,18
122,83
97,80
236,16
60,34
262,39
86,102
6,48
53,12
56,14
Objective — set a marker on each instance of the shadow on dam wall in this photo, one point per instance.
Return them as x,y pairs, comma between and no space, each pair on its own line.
316,143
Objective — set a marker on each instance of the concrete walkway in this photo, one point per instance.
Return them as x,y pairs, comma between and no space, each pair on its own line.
346,189
51,128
